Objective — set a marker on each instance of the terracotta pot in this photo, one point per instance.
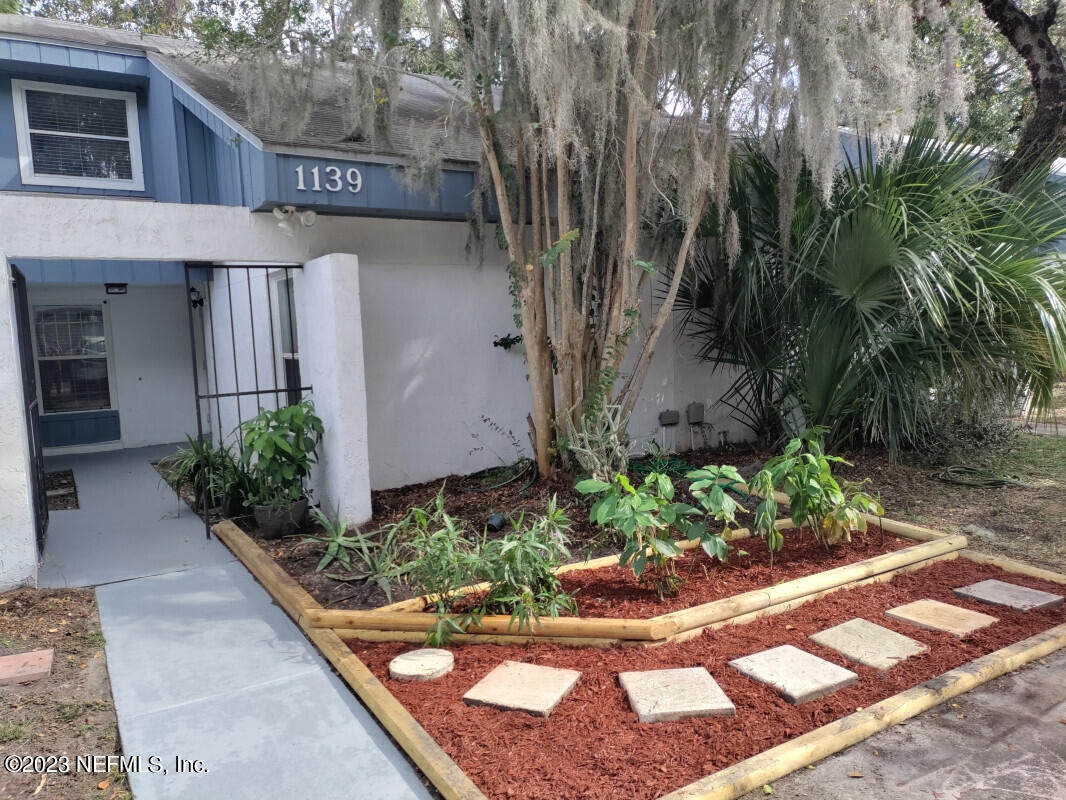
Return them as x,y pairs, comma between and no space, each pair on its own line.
277,521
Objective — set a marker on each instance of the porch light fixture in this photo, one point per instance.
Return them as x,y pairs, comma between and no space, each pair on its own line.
286,214
115,288
195,298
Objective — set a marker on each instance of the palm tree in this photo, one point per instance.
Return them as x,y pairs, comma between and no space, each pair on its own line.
916,285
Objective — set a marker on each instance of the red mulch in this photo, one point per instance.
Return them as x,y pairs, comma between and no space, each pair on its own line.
614,592
592,745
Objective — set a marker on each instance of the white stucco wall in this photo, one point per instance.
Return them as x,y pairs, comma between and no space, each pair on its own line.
331,360
152,387
429,314
18,549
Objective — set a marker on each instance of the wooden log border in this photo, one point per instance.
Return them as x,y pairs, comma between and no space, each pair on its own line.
726,784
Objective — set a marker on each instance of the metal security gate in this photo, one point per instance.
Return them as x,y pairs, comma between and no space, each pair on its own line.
245,345
24,334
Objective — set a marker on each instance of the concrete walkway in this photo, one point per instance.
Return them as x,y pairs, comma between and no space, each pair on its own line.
204,667
1002,741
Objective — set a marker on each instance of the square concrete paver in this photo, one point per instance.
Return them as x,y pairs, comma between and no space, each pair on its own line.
936,616
25,667
515,686
796,674
667,695
869,644
1001,593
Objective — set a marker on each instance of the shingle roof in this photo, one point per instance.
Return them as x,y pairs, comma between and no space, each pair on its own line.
420,103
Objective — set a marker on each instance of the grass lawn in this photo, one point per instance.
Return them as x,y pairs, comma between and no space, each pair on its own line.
1028,523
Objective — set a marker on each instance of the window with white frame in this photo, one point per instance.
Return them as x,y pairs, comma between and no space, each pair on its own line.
290,342
72,358
77,136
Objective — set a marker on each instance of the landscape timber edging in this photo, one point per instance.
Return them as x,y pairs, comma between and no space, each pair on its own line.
656,629
435,764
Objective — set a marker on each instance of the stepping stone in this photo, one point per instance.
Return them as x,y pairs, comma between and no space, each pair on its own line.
936,616
796,674
1001,593
667,695
514,686
869,644
421,665
26,667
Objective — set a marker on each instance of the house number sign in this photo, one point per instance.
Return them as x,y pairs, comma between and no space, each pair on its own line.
330,179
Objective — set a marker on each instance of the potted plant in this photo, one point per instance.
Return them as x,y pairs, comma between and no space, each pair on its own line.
279,448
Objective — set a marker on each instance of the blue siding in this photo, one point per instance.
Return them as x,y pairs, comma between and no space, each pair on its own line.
192,154
382,192
52,55
152,273
83,427
213,166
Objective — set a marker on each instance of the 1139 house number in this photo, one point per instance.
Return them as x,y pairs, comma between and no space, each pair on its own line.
330,179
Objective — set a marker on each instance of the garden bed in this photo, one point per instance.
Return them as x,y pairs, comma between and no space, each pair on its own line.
852,724
592,745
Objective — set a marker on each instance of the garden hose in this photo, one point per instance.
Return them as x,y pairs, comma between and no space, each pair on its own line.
518,473
965,475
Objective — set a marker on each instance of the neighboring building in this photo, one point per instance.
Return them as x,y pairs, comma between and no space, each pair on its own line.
158,279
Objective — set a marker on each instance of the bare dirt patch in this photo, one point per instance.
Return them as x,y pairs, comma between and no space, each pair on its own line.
61,491
69,713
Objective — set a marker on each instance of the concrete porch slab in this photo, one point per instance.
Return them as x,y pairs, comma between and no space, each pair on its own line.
130,524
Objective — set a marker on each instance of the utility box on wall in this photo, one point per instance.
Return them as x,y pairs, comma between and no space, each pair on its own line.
694,413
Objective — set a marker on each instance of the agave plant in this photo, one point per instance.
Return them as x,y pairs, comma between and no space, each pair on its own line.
917,282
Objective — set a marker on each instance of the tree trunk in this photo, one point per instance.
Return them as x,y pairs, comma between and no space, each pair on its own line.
1044,133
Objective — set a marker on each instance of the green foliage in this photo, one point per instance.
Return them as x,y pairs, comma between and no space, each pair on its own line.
279,448
709,487
915,280
214,472
816,499
599,442
444,558
520,568
644,516
378,561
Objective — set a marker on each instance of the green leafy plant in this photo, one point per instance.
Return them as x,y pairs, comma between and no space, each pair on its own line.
201,465
643,515
710,487
520,568
804,473
377,560
339,545
280,447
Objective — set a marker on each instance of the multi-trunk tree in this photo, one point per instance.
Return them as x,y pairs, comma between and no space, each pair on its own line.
606,131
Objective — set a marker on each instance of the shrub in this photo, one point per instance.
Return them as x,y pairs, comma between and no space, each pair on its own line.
378,561
213,472
279,448
520,568
643,515
815,497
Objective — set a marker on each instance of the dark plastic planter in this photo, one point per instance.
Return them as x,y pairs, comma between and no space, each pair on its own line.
277,521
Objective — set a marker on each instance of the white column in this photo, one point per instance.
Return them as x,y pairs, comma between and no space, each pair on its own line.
330,330
18,544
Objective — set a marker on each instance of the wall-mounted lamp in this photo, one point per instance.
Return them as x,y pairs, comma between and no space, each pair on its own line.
286,214
115,288
196,300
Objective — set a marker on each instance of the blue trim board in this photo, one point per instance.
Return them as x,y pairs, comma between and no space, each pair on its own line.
82,427
151,273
